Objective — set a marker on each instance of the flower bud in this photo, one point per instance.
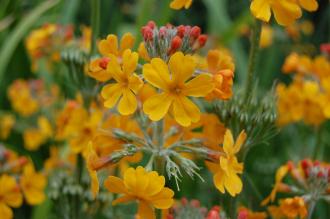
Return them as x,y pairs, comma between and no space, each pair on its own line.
147,33
151,24
195,32
202,40
180,31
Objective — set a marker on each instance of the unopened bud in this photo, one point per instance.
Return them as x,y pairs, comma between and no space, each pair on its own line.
147,33
175,44
202,40
180,31
195,32
305,164
162,32
151,24
243,214
213,215
320,174
184,201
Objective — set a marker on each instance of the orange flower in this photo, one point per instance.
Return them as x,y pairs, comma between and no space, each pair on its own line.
293,207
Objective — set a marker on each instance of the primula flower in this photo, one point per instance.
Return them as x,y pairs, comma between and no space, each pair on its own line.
226,175
175,87
10,196
285,11
222,68
109,46
293,207
145,187
7,122
97,69
33,185
127,83
280,174
178,4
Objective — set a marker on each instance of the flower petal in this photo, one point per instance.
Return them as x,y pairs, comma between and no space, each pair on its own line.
109,46
135,83
233,184
157,74
156,183
123,199
261,9
127,41
182,67
130,180
111,93
128,103
130,61
185,111
200,86
228,142
286,12
115,185
157,106
145,211
5,211
218,180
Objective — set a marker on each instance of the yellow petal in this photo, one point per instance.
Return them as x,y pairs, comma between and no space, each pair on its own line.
156,183
182,67
233,184
5,211
199,86
111,93
109,46
128,103
239,142
228,142
135,83
142,181
127,41
130,180
157,74
177,4
157,106
123,199
213,57
309,5
165,193
145,211
115,70
286,12
14,198
261,9
163,203
185,111
130,61
115,185
95,187
218,180
34,196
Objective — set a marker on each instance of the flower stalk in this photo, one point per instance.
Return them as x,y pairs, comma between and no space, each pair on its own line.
254,50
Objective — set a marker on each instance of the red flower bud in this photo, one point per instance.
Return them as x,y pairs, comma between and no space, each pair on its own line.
320,174
325,48
147,33
195,203
304,164
202,40
316,163
162,32
184,201
243,214
151,24
176,43
213,215
181,31
195,32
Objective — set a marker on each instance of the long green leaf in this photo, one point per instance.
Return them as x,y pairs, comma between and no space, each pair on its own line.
19,32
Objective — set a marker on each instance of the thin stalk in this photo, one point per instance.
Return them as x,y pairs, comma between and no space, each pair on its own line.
318,143
311,208
254,50
95,23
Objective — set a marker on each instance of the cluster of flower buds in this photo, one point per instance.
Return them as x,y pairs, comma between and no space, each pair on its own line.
192,209
166,40
317,175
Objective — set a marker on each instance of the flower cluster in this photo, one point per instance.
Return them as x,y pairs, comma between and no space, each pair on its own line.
306,98
18,179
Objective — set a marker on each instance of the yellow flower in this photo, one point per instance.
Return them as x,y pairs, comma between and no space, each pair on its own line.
127,83
175,88
222,68
7,122
293,207
33,185
178,4
285,11
10,196
33,139
109,46
266,38
226,175
91,156
145,187
97,69
280,174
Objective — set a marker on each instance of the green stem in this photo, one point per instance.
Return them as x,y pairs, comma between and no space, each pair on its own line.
95,23
254,50
311,208
318,143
